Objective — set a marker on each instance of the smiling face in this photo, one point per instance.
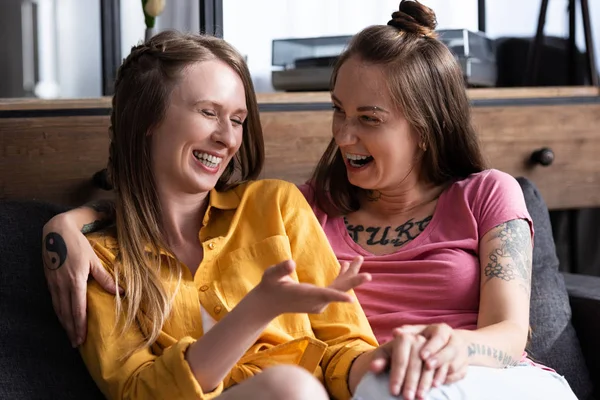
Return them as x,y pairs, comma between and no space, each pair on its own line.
202,128
376,142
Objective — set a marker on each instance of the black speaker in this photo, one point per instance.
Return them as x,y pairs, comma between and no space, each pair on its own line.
553,67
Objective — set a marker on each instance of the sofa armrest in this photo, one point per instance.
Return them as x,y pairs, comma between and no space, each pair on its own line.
584,296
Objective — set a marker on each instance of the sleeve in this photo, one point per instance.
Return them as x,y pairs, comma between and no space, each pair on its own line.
342,326
143,375
498,198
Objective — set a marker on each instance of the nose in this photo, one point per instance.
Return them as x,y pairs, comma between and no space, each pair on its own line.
344,132
225,135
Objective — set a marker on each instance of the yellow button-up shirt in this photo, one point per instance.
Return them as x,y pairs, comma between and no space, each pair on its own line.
245,230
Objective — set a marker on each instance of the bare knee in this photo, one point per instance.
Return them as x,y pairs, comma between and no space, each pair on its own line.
293,383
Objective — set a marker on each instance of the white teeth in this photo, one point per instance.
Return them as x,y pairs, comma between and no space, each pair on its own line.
208,159
356,157
357,160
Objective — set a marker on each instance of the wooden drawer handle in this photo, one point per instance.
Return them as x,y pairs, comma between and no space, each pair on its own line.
543,156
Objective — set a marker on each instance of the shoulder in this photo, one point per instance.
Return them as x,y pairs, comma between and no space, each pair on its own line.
106,246
106,238
268,189
489,179
308,192
274,200
104,241
493,178
481,186
494,197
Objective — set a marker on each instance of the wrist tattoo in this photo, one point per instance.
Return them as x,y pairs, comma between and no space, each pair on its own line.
106,207
95,226
503,358
379,236
55,251
103,206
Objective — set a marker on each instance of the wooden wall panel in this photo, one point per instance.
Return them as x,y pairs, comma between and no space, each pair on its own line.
51,159
294,142
510,134
54,158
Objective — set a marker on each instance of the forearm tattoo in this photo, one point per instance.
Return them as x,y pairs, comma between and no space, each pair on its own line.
512,259
498,355
103,206
384,236
106,207
55,251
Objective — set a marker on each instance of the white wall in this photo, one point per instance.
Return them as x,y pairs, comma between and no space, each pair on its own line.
251,25
132,25
70,38
183,15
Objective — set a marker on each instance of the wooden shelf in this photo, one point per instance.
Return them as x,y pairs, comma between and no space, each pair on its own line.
313,97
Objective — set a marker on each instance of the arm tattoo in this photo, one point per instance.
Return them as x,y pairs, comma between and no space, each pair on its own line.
103,206
503,358
106,207
512,259
55,251
379,236
95,226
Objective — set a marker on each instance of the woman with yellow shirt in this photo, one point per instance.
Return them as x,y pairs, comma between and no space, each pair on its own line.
193,243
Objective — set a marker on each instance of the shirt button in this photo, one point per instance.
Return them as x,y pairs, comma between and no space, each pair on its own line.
211,246
204,288
218,309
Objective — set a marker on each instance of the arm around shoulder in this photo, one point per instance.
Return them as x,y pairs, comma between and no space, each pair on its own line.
68,261
87,218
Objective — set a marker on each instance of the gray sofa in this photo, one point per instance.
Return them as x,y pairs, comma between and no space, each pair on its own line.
37,362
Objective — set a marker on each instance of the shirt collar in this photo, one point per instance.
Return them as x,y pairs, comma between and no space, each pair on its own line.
227,200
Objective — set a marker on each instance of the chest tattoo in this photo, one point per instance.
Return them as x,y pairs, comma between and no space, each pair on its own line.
387,236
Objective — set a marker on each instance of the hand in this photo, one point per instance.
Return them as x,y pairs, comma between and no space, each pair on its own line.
68,261
401,355
445,351
281,294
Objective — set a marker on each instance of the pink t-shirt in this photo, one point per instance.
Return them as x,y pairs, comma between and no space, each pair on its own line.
435,277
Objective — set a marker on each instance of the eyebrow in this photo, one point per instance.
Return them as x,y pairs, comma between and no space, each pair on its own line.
361,108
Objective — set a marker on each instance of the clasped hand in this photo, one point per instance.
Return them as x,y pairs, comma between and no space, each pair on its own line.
420,357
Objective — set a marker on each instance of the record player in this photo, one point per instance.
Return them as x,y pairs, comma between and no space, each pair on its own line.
475,53
306,64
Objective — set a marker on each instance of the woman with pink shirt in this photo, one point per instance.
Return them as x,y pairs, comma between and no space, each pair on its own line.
448,242
403,184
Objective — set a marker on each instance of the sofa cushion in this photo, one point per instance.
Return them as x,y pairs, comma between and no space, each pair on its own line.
36,359
554,342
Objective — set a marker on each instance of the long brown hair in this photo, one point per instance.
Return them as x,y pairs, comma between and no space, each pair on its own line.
426,82
143,87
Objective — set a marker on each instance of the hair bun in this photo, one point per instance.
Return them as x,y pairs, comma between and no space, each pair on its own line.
413,17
